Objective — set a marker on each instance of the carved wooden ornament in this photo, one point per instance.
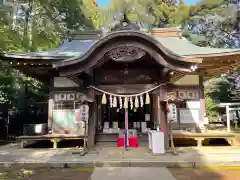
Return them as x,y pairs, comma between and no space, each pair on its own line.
126,53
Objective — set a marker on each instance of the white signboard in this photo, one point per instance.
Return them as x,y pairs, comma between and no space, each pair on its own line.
84,112
189,116
147,117
188,94
171,95
193,104
64,82
172,114
182,94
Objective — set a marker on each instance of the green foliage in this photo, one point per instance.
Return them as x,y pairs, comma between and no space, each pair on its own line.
51,22
218,88
151,13
215,22
92,12
205,7
210,106
16,88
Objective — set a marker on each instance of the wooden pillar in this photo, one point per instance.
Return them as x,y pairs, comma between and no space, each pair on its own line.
202,113
178,110
164,124
156,109
126,129
50,106
92,123
228,119
50,114
163,117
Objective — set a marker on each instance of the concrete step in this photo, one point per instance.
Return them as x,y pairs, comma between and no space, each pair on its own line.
131,173
106,144
101,137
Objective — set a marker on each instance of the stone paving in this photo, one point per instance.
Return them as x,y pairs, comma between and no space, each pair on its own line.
115,157
131,173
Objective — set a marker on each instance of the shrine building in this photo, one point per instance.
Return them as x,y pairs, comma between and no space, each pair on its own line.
156,75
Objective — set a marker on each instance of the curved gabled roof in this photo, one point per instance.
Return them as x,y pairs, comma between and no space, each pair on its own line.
138,36
184,48
67,49
175,47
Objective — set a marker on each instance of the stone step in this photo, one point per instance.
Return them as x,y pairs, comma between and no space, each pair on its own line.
131,173
106,137
114,137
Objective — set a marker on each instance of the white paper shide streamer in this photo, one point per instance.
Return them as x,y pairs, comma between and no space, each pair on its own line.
133,99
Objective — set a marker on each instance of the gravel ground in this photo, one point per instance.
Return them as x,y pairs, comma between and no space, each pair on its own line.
201,174
45,174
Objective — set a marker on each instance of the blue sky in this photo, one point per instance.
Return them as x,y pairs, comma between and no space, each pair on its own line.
104,2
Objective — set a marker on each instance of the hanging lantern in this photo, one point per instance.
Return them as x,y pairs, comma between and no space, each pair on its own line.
114,102
136,103
125,103
104,99
147,101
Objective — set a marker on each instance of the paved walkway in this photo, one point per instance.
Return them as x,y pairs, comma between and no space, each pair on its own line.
132,173
111,156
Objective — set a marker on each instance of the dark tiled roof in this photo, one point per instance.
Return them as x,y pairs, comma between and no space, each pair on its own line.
67,49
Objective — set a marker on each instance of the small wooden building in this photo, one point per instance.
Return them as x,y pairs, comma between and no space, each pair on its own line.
125,64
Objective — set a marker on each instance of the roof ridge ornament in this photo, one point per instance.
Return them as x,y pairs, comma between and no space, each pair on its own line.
125,23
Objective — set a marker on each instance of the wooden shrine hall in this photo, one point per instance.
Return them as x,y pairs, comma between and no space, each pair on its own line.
156,75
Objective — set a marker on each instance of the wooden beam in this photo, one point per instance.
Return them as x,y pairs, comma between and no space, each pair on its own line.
75,89
176,76
137,71
43,74
89,72
221,60
126,88
213,66
221,70
20,60
76,79
130,76
219,66
173,86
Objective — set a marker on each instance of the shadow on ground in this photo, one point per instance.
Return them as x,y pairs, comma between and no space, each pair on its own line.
46,173
191,163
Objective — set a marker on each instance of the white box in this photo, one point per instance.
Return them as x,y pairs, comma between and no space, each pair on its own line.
105,130
115,125
134,124
145,130
144,127
114,130
156,142
106,125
